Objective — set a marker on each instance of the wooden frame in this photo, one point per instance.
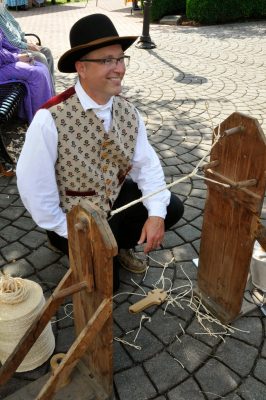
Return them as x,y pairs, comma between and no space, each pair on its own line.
90,283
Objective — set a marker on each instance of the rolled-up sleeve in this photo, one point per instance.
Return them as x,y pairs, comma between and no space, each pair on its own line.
36,178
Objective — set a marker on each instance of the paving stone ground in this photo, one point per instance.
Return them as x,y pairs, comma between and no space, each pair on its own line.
194,79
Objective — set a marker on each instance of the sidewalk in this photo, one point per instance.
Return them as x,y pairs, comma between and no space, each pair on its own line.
221,68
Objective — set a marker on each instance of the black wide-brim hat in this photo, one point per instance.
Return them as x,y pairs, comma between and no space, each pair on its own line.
91,33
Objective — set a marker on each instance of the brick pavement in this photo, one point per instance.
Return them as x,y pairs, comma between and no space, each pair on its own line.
224,66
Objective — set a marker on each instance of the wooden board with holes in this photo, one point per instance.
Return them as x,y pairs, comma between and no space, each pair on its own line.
238,160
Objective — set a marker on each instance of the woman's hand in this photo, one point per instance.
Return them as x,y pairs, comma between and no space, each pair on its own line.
34,47
26,57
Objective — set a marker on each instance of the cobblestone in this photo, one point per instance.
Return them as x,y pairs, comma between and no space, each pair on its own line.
164,378
190,352
231,352
186,391
216,379
251,388
134,384
260,370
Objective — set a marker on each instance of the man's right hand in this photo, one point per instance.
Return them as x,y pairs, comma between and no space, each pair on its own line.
153,233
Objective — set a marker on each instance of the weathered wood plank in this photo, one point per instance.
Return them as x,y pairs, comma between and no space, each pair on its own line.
230,214
98,259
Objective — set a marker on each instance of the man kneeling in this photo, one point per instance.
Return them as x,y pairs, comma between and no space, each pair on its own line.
90,142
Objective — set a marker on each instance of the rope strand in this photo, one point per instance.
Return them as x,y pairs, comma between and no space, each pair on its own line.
176,182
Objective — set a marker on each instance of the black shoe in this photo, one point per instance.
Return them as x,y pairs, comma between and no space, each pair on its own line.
136,8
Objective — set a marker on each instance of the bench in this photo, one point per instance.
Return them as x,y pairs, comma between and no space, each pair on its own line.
11,96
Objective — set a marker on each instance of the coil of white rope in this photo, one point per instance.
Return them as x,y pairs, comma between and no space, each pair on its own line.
21,300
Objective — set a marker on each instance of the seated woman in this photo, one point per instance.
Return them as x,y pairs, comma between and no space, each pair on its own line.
14,34
18,66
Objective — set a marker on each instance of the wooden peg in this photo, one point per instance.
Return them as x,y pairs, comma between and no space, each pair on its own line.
232,131
155,296
81,225
211,164
243,184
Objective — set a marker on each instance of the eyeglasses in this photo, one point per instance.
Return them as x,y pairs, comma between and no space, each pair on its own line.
109,62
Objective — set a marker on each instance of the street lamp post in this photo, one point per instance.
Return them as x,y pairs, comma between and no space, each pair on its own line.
145,41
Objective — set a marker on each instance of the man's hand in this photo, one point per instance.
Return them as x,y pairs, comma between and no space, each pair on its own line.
153,233
33,47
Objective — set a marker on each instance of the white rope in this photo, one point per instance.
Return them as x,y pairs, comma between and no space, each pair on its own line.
127,343
12,290
132,203
179,362
143,317
193,173
202,314
21,301
213,180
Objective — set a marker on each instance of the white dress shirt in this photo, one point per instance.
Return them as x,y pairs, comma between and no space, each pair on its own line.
35,171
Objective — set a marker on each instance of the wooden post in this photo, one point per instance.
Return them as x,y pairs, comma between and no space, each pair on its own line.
90,282
91,254
231,213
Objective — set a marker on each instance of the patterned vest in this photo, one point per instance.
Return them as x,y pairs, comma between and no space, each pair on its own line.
92,163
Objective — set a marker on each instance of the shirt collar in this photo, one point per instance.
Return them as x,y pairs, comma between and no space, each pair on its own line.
87,102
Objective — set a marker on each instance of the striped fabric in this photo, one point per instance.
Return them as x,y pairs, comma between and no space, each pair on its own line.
10,26
16,3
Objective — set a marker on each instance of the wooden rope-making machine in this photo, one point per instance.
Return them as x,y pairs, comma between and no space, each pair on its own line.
89,281
236,184
231,215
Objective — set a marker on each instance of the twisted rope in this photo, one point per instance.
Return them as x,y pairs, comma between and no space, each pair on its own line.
191,175
12,290
16,318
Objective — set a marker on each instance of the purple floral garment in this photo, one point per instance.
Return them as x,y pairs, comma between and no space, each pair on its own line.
36,77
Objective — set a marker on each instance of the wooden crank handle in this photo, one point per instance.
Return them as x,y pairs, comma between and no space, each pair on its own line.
156,296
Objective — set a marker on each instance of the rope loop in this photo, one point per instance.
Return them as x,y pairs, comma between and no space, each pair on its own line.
12,290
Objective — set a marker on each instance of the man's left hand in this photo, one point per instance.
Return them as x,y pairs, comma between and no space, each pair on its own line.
153,233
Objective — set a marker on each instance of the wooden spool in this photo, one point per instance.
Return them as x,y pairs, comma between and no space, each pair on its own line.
230,223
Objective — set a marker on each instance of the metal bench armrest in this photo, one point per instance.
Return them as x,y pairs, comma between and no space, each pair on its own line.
36,36
11,95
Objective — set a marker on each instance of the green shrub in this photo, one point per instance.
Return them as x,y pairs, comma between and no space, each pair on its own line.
160,8
217,11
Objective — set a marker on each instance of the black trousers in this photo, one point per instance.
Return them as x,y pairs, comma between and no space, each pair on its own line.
127,225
